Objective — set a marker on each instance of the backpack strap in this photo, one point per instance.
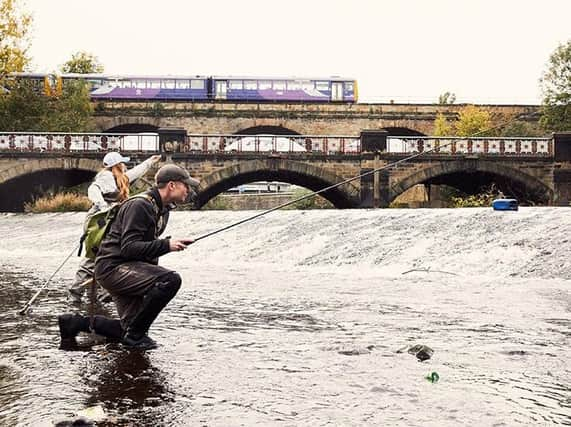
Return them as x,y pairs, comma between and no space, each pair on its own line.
158,215
149,198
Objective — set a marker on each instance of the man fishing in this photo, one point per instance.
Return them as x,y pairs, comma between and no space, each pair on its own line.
127,264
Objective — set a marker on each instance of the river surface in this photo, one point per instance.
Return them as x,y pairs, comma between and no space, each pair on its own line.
296,318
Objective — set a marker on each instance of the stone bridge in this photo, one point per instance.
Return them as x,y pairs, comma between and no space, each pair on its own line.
539,174
288,118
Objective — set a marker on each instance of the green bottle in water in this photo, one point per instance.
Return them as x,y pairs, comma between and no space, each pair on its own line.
433,377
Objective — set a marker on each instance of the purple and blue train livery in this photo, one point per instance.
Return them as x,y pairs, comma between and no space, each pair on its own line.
332,89
209,88
194,88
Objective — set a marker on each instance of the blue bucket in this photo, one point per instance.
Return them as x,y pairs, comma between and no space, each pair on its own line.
505,205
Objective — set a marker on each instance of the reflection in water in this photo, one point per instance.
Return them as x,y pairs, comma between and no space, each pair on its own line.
126,385
296,319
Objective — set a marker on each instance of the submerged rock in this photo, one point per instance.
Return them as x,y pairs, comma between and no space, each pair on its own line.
77,422
422,352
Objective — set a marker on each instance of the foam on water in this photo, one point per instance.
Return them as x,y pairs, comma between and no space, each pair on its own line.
296,318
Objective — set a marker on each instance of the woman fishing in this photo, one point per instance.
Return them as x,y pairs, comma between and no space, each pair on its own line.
110,186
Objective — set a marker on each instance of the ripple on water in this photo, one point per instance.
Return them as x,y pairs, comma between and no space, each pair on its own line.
296,320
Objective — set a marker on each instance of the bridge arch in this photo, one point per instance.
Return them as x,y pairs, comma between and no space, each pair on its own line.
533,186
402,131
266,129
132,128
21,183
273,169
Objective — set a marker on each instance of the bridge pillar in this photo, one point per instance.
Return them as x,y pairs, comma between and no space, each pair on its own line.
374,187
562,168
173,137
373,140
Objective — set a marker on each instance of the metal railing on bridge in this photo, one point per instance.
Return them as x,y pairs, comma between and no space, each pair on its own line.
297,144
458,145
300,144
78,142
149,142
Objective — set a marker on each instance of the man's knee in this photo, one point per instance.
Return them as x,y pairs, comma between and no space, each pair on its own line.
170,284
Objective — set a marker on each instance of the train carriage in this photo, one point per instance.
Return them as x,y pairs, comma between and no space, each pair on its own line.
164,88
284,89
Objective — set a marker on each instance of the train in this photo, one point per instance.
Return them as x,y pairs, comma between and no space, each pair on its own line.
105,87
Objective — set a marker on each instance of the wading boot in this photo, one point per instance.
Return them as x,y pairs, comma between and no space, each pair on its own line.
143,342
153,303
70,325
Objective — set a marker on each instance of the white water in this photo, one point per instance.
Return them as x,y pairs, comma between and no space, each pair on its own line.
295,318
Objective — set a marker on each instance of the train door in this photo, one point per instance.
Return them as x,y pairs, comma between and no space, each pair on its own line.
221,89
336,91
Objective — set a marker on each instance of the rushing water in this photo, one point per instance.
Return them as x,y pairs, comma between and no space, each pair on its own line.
295,318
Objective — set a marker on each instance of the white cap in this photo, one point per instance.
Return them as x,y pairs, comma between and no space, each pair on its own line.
114,158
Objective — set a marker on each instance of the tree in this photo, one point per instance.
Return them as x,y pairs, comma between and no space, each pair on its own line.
441,126
26,109
72,111
447,98
23,108
519,128
82,63
14,27
473,121
556,90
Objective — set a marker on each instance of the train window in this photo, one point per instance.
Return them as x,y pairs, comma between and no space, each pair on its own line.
154,84
182,84
264,84
322,85
250,85
307,85
279,85
140,84
167,84
124,83
197,84
348,86
293,85
236,84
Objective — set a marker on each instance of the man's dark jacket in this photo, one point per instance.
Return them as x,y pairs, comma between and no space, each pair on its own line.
133,234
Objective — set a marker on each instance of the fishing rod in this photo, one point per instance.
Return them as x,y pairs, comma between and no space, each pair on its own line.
26,307
330,187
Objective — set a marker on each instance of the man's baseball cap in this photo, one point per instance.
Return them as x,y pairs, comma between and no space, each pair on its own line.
114,158
172,172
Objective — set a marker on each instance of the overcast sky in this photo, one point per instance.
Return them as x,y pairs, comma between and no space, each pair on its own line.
406,50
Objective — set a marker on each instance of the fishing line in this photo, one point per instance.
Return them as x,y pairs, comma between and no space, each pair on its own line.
26,308
388,166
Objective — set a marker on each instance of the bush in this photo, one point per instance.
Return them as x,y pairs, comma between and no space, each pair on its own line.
60,202
473,201
482,199
314,202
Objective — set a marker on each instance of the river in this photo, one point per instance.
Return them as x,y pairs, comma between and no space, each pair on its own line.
296,318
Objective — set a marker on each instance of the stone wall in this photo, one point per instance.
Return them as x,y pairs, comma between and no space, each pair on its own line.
305,119
217,172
